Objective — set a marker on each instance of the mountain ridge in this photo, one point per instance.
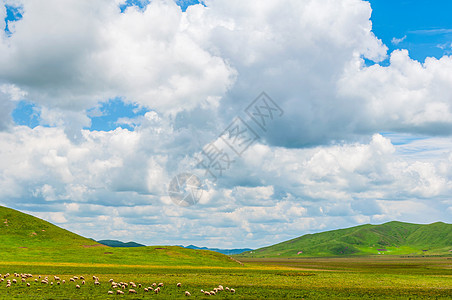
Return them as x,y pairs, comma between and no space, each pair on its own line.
395,237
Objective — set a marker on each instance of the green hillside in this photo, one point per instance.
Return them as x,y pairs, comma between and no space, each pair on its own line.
396,238
24,238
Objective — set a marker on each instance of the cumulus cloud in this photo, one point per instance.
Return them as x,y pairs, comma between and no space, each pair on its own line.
322,165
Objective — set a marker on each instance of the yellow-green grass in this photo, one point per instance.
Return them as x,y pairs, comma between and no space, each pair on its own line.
317,278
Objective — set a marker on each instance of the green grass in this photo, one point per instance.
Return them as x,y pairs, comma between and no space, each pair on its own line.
31,245
24,238
396,238
315,278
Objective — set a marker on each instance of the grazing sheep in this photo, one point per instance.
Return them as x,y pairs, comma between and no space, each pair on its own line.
157,290
77,286
154,284
123,286
226,289
51,283
64,281
187,294
178,284
96,283
36,280
212,293
207,293
119,292
215,290
132,291
110,292
220,287
81,277
161,284
71,279
14,280
56,278
28,284
8,285
111,280
44,281
139,285
83,282
58,283
146,289
75,277
23,280
202,291
232,291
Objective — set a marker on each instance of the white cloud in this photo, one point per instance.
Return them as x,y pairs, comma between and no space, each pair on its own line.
396,41
196,71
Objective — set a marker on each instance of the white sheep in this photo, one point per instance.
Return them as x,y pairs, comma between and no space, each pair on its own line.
119,292
178,284
28,284
77,286
132,291
232,291
187,294
161,284
110,292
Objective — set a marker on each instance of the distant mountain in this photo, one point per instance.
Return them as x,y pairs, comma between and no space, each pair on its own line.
393,238
115,243
223,251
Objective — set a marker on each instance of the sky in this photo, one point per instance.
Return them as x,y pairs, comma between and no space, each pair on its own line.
345,109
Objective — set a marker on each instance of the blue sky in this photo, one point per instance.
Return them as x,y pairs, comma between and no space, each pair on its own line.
98,116
422,26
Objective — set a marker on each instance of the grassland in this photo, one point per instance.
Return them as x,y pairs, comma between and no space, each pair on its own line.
316,278
31,245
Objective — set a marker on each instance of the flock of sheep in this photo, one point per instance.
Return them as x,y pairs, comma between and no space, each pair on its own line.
120,287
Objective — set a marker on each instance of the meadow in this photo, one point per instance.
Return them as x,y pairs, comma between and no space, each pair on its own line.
308,278
30,245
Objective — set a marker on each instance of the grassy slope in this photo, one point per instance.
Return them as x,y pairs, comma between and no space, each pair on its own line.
396,237
24,238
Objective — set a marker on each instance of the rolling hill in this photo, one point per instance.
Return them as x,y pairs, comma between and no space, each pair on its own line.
396,238
24,238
